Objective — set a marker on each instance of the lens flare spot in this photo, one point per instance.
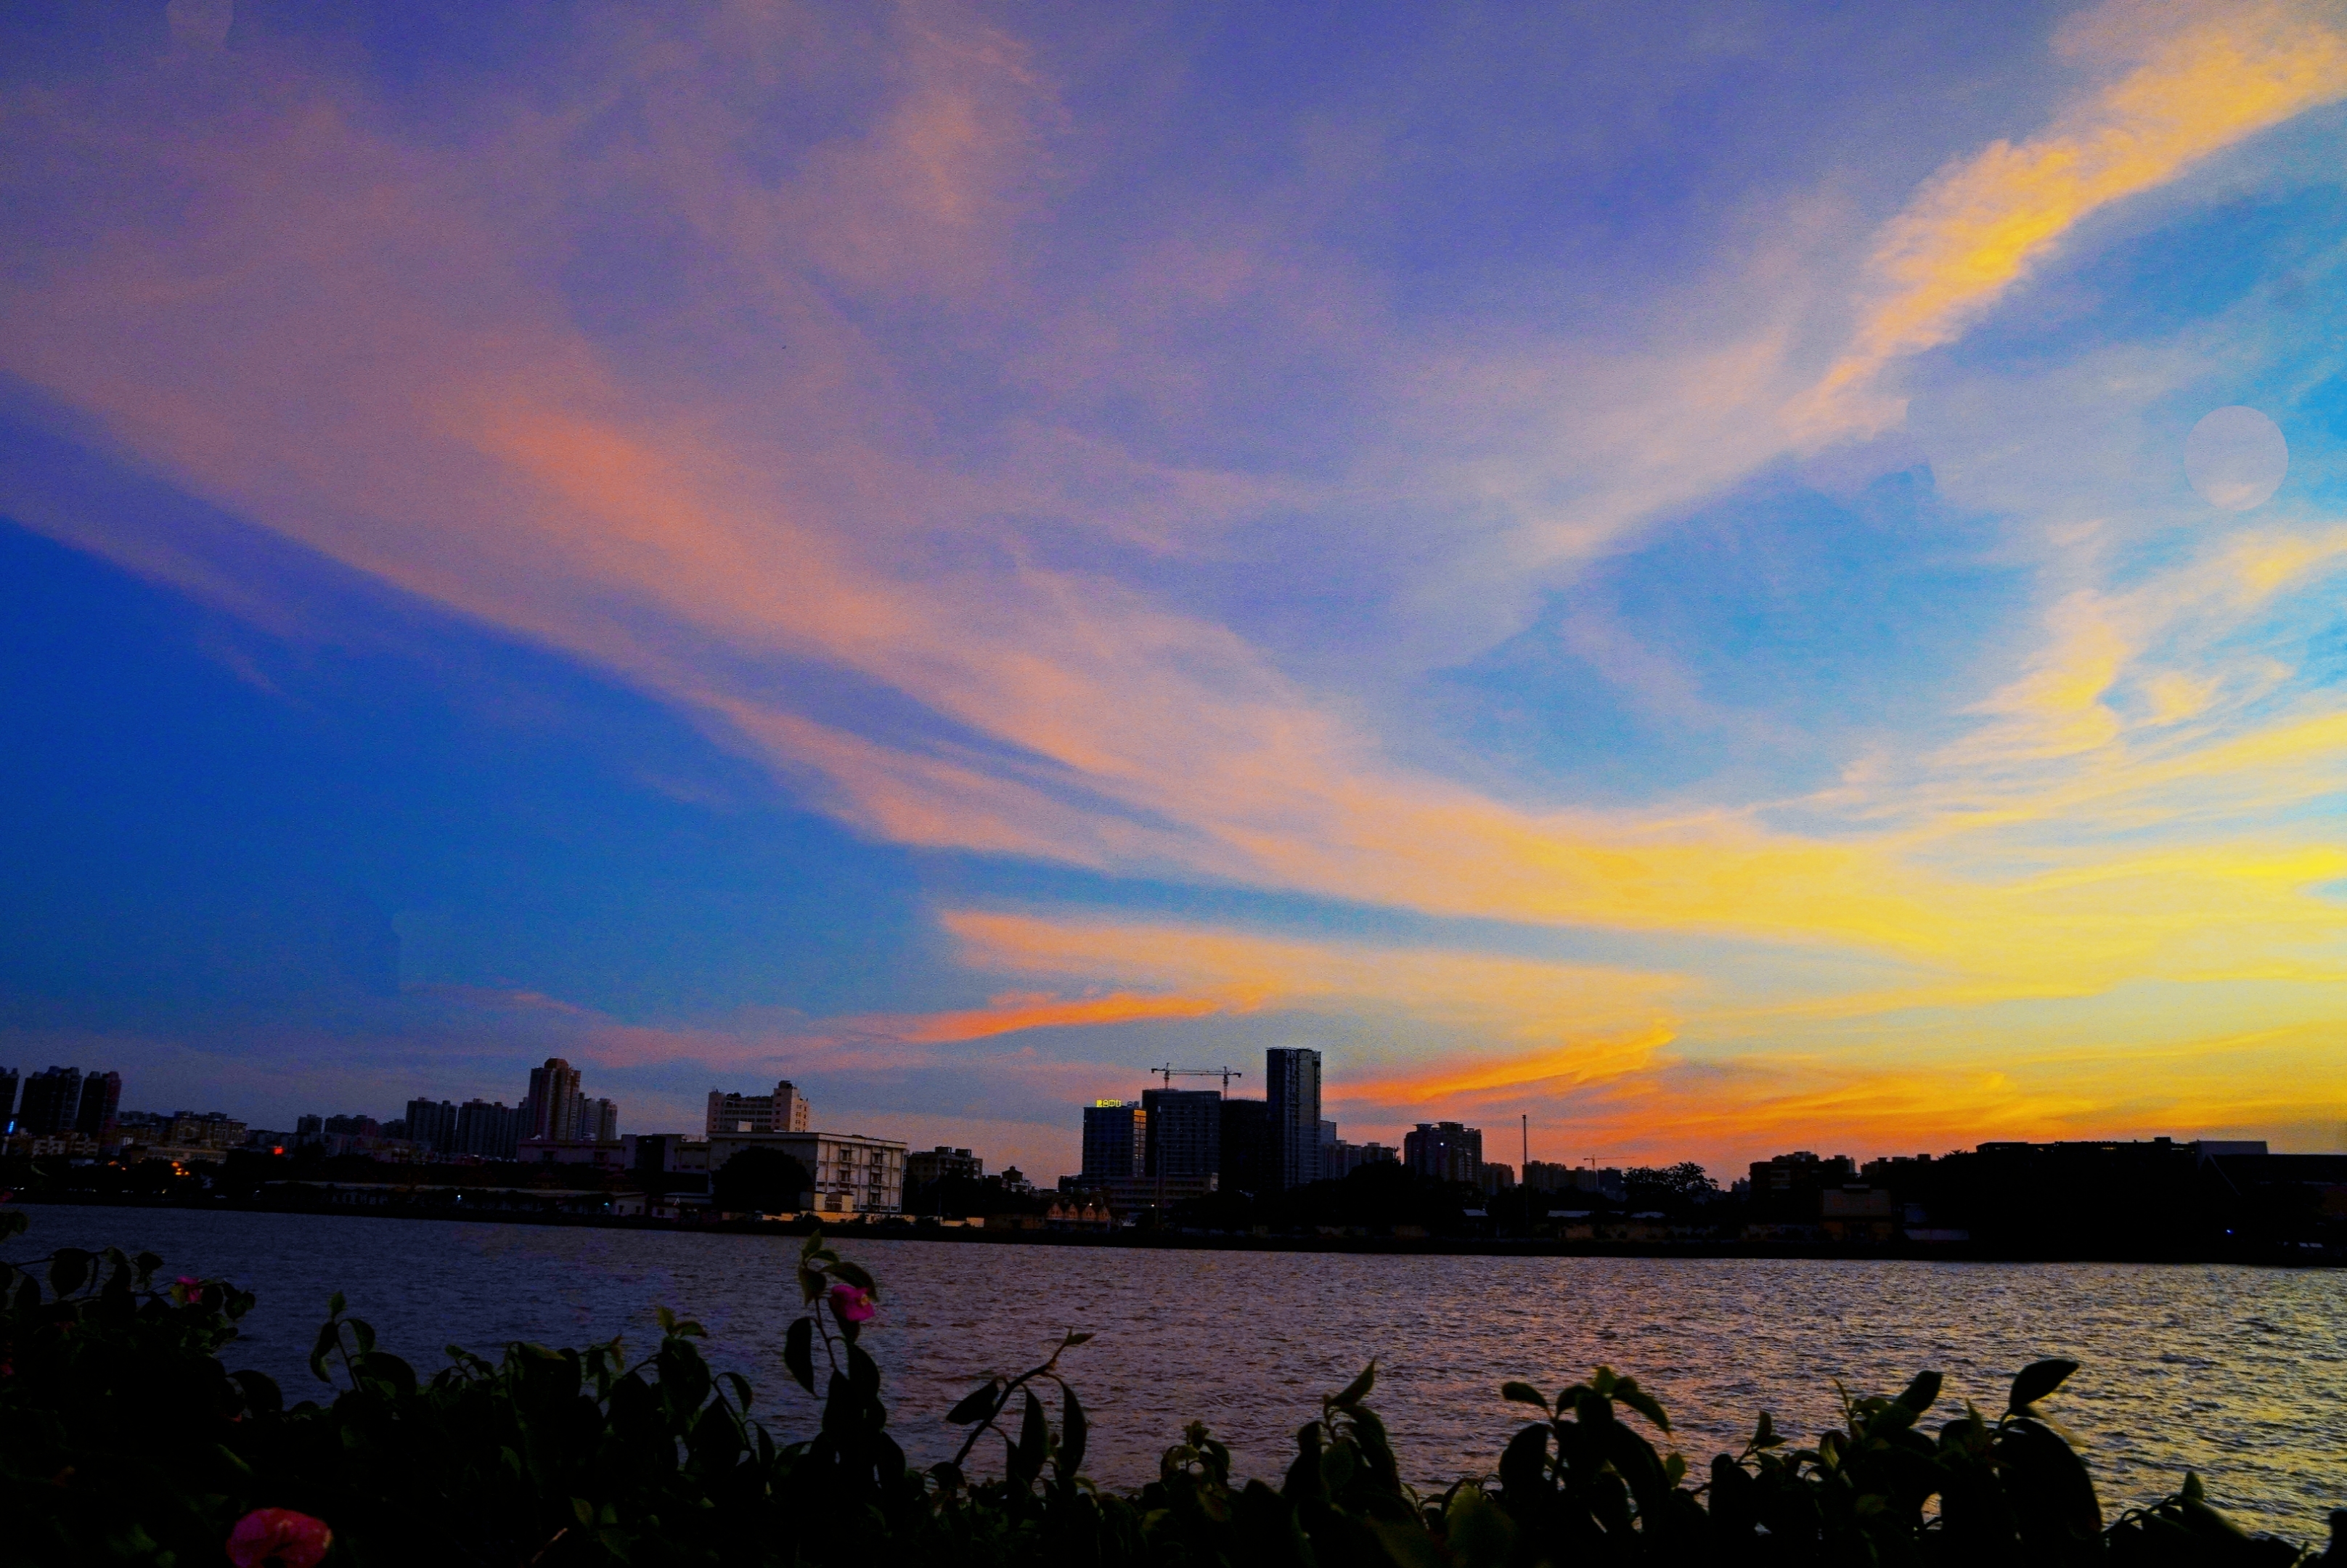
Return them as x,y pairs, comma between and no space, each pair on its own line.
2236,458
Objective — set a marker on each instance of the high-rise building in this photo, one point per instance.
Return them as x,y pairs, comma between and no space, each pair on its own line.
1248,1158
1185,1132
597,1120
1445,1151
101,1097
1292,1077
551,1111
489,1129
433,1125
7,1100
784,1110
1116,1140
52,1100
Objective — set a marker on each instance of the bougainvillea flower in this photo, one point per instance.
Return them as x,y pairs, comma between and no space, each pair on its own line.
190,1287
278,1538
854,1304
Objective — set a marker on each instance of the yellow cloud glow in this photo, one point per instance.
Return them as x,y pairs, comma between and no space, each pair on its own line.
2224,75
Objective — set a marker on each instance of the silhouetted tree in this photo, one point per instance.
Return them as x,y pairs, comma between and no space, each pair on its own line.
760,1181
1678,1186
959,1198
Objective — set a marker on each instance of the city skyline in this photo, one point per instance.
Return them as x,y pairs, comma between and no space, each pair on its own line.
1724,582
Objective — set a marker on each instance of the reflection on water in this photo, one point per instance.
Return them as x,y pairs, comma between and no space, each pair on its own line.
2239,1372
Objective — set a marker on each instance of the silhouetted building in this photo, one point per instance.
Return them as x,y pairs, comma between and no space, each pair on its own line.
551,1113
101,1097
669,1164
1186,1132
1445,1151
51,1102
784,1110
1116,1140
1292,1078
1249,1159
1791,1188
1495,1177
432,1124
208,1130
355,1126
486,1129
7,1100
1547,1176
925,1167
2078,1199
1341,1159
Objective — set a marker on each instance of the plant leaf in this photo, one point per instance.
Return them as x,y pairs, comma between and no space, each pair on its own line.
2036,1380
68,1269
978,1404
1075,1433
1524,1394
1638,1399
798,1352
1358,1388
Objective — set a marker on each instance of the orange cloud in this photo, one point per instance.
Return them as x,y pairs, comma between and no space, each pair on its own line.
1009,1015
1516,998
1467,1084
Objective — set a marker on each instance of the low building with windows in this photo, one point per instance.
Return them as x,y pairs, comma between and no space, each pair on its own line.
853,1174
613,1155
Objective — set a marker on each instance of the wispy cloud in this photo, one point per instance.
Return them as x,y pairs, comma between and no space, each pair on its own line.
2196,80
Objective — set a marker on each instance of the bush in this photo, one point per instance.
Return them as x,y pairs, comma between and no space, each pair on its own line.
123,1438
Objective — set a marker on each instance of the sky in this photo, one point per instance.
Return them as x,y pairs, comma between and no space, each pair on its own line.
1721,577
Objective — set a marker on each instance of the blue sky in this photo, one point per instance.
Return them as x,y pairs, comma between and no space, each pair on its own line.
1632,568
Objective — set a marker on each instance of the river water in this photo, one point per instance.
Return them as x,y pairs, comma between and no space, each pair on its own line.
2240,1373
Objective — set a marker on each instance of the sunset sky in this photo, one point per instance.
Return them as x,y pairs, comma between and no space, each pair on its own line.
1702,573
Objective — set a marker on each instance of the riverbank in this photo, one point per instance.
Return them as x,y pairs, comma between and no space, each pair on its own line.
375,1204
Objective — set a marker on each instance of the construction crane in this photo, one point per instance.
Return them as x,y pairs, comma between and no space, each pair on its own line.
1169,1073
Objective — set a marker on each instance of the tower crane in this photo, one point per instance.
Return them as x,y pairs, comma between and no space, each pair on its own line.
1169,1073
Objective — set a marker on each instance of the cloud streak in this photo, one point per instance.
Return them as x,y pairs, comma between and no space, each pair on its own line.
2197,81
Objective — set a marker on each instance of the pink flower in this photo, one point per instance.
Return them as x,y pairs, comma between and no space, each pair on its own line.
190,1287
854,1304
279,1536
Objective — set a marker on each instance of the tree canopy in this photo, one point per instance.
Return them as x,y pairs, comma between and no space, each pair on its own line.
760,1181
